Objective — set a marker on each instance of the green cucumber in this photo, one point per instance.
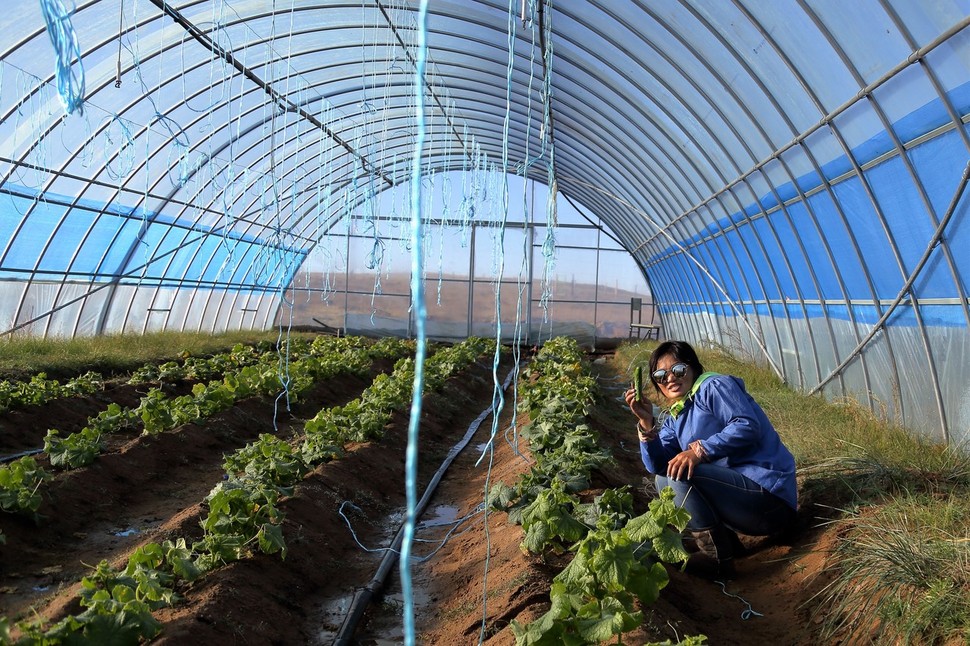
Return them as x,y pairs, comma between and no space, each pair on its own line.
638,381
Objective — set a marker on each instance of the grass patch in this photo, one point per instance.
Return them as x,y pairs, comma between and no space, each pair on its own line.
111,354
902,574
902,563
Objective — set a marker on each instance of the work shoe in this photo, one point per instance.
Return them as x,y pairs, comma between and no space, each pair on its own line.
703,566
714,555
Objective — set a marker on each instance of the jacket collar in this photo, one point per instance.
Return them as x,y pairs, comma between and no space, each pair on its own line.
678,406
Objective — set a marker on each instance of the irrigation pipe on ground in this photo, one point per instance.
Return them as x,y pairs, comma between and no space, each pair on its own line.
364,596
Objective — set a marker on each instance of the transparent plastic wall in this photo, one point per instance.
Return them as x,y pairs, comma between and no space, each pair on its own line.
514,277
849,279
72,266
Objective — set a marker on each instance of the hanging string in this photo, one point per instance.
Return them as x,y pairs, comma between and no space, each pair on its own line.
180,140
324,201
417,291
70,84
125,153
511,433
121,28
217,67
549,244
444,223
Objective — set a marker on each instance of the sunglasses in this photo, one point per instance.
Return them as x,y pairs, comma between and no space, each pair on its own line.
677,370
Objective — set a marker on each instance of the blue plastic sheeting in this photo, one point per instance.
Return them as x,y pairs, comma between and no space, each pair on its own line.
108,242
835,246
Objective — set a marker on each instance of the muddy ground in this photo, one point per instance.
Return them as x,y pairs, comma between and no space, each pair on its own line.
470,581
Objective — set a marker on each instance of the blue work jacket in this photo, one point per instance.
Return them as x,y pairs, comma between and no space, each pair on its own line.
735,433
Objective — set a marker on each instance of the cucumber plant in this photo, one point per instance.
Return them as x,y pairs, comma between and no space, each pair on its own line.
19,483
618,560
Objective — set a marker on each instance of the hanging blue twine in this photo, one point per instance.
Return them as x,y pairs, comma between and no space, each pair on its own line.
70,85
417,289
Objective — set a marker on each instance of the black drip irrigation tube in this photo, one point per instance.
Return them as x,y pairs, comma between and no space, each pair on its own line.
364,596
22,454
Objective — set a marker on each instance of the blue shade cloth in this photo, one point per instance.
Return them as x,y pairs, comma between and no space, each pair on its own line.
51,237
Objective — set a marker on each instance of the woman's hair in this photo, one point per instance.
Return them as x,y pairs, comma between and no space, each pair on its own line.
682,351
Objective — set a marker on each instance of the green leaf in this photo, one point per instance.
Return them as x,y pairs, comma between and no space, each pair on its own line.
181,559
271,539
566,527
612,564
500,496
670,547
668,513
643,528
537,534
578,573
608,617
647,582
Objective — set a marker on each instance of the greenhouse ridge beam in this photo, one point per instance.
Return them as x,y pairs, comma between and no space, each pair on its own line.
277,98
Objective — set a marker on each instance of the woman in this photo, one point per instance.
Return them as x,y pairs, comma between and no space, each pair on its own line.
719,453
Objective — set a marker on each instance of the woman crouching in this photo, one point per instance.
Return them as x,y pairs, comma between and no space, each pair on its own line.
720,454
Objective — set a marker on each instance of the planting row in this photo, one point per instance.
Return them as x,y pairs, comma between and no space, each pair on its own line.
244,513
245,373
617,557
40,390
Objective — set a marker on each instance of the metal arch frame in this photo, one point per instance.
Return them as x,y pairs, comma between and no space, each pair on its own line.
204,89
727,156
672,63
607,122
779,152
957,123
657,193
107,164
283,100
662,276
564,177
770,97
828,119
743,109
446,116
662,131
677,177
858,171
808,262
930,212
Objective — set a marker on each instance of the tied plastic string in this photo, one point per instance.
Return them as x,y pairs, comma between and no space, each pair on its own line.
420,316
746,614
452,533
70,83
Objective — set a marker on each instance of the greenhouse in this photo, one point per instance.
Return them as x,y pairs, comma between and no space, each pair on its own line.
316,191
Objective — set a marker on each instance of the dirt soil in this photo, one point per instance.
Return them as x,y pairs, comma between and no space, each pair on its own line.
471,581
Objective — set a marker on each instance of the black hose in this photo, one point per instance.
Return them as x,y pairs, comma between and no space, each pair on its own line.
364,596
11,458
